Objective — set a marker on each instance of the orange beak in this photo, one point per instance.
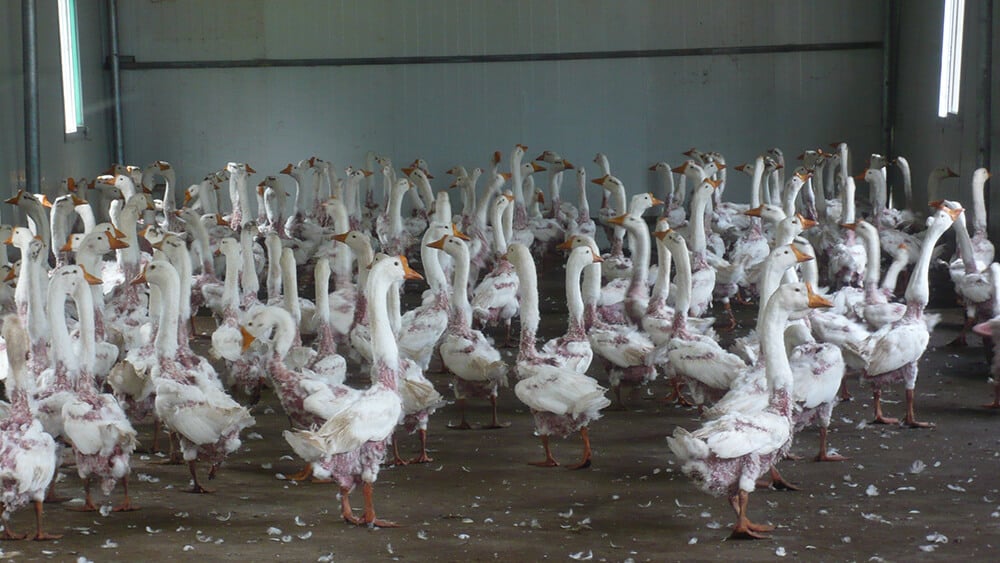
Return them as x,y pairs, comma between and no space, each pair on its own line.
600,181
740,167
806,223
850,226
620,220
287,169
342,237
220,221
11,274
78,200
755,212
118,234
408,272
597,258
815,301
565,245
655,201
141,278
45,201
953,212
952,173
506,175
799,255
455,232
937,203
680,169
115,243
536,167
568,165
247,339
439,243
68,247
653,167
92,280
367,173
250,169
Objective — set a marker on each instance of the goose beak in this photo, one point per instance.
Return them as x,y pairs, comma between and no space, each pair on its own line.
250,169
509,197
141,278
954,212
408,272
14,200
407,170
78,200
162,165
719,166
68,247
115,243
619,220
459,234
367,173
861,176
740,167
755,212
661,234
806,222
11,275
600,181
342,237
287,170
220,221
653,167
714,183
540,157
567,165
851,226
680,169
506,175
655,201
247,339
565,245
118,234
10,239
799,255
91,279
816,301
597,258
951,173
158,245
937,203
496,157
690,152
439,243
71,184
540,197
536,167
45,202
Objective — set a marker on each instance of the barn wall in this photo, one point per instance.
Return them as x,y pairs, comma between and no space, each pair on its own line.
637,111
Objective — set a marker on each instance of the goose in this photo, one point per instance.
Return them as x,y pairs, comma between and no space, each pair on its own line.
495,298
573,349
972,279
616,264
561,211
274,199
702,273
189,402
547,232
624,346
987,329
465,352
38,222
298,173
168,204
422,327
351,445
393,236
818,370
28,453
846,257
698,360
981,244
892,353
726,455
61,215
582,224
239,197
562,400
94,423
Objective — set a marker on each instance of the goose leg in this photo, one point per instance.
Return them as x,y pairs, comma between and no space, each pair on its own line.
879,419
40,535
823,454
778,482
549,461
369,516
731,324
587,454
494,424
8,532
88,503
196,488
395,453
744,528
345,507
911,420
996,397
50,494
126,505
305,473
464,424
423,457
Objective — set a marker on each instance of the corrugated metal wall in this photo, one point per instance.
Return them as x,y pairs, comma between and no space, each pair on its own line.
636,110
59,157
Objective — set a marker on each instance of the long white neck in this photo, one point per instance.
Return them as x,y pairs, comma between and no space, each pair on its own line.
516,177
772,346
166,334
485,200
351,187
365,256
461,310
62,344
321,275
395,210
528,290
791,193
756,182
682,280
964,241
640,261
273,245
499,240
978,202
230,287
181,260
664,260
127,220
88,340
904,169
574,295
248,276
429,257
873,262
699,203
169,179
849,188
581,187
36,295
238,194
893,271
918,290
290,284
384,347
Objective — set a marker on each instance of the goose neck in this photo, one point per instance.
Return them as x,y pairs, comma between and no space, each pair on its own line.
461,311
964,241
384,347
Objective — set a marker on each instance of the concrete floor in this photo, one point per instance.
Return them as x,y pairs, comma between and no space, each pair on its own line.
904,495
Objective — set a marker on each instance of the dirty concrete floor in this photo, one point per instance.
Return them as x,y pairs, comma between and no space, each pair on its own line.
904,494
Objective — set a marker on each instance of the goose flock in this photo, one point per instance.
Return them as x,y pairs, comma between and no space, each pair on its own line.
101,309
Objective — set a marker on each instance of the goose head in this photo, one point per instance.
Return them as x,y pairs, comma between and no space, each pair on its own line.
641,202
270,324
770,213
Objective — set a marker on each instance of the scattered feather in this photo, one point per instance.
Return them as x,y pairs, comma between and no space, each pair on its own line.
272,531
871,491
580,556
937,537
108,544
917,467
780,552
306,535
151,530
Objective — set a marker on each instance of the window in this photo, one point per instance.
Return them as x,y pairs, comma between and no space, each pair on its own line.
951,57
69,50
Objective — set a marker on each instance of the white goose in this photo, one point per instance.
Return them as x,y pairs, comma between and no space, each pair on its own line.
727,454
351,445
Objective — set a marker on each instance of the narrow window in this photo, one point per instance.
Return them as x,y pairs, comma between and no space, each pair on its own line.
951,57
69,50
